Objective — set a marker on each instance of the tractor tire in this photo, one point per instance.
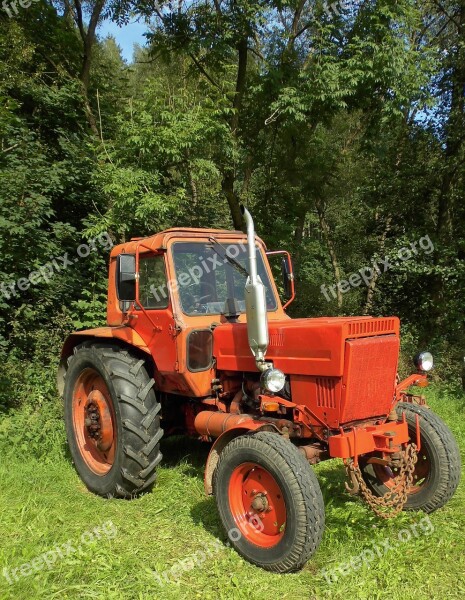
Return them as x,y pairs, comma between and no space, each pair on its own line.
437,471
112,420
269,501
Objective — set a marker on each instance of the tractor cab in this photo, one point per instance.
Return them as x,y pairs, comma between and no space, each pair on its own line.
175,288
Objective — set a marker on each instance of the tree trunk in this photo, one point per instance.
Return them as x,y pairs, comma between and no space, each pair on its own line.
227,186
374,280
331,248
90,114
88,40
229,174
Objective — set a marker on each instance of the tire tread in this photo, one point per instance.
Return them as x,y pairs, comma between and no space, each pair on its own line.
140,415
305,489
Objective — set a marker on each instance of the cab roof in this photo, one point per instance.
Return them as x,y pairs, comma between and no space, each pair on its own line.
159,241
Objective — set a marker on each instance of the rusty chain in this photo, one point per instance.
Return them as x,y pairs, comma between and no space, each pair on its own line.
392,502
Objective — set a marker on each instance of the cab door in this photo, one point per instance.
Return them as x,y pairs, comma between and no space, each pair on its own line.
155,319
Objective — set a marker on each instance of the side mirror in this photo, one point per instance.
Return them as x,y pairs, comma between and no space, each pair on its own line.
288,277
287,274
126,277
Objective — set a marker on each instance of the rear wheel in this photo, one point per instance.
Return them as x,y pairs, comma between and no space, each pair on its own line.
269,501
112,420
437,471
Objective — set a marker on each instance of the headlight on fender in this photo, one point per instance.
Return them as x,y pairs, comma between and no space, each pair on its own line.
273,380
424,361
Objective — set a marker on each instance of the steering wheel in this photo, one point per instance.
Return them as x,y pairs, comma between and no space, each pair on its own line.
194,301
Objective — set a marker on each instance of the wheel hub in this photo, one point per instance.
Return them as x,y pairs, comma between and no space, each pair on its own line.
260,503
94,421
98,420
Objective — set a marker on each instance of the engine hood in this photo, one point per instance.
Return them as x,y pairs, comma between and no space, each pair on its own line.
299,346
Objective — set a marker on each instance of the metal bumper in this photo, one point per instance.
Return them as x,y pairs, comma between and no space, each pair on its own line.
385,438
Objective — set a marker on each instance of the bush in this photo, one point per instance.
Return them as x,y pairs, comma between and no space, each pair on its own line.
31,413
33,432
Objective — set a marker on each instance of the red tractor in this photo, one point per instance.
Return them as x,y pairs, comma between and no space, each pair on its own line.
198,343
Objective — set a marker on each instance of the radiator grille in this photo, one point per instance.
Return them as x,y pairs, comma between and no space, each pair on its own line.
326,392
369,379
276,340
371,326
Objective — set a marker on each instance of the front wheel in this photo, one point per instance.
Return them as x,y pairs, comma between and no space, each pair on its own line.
269,501
437,471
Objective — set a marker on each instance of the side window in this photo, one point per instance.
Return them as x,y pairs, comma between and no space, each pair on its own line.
153,290
199,350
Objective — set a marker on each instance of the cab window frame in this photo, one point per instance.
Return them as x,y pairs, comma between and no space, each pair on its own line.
143,258
262,263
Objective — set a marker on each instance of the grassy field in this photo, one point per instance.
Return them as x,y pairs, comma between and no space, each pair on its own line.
97,548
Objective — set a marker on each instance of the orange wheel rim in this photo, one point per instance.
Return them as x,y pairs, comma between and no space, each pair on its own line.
94,421
257,505
420,474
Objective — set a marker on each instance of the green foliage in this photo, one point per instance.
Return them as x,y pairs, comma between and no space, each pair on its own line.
89,311
338,129
35,432
31,420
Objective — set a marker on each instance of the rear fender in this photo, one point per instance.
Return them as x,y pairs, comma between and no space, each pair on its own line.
125,336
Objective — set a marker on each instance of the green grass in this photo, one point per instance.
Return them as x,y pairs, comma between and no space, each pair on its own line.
43,504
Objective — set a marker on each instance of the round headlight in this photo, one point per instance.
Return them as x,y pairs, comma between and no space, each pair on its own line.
273,380
424,361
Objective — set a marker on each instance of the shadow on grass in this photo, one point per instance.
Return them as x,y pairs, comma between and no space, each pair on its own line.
205,513
190,453
341,508
176,450
66,452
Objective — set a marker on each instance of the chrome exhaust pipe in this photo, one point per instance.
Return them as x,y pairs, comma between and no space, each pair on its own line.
255,301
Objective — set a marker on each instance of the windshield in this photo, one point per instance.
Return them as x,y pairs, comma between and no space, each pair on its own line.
206,280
